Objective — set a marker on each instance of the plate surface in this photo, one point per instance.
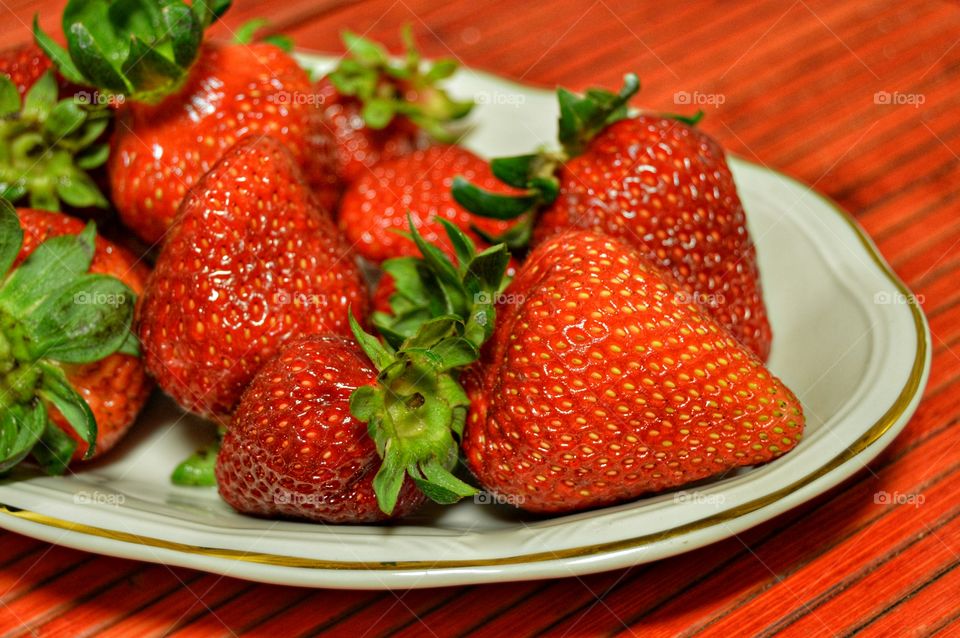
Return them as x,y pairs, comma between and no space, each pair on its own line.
849,340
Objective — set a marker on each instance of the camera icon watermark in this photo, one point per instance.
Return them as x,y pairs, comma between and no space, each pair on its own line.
700,498
97,98
287,498
113,300
493,498
700,298
497,298
505,98
898,498
885,298
99,498
696,98
288,98
896,98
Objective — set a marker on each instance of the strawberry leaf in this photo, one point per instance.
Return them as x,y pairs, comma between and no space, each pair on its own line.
53,263
11,237
197,470
58,391
20,429
9,97
84,321
56,53
54,450
41,98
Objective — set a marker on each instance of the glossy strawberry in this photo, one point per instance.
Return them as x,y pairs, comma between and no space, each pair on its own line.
182,103
71,380
375,207
379,109
360,147
117,386
23,64
251,262
355,431
665,187
603,382
293,449
654,181
158,152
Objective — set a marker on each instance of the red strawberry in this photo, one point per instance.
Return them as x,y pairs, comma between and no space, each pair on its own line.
65,339
661,185
182,104
379,109
602,383
358,146
159,152
297,445
375,207
23,64
251,262
293,449
116,387
665,187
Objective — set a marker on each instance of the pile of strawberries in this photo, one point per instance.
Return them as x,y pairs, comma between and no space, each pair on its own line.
568,329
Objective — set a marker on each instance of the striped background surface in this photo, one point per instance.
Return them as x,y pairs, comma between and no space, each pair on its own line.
798,82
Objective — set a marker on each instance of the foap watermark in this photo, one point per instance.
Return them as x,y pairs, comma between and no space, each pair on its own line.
96,98
287,98
885,298
286,498
696,98
703,298
884,497
700,498
493,498
506,98
299,299
114,300
99,498
497,298
897,98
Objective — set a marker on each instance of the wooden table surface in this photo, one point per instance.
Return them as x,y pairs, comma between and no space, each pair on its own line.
791,85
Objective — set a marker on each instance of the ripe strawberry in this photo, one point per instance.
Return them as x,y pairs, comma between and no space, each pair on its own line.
663,186
297,445
379,109
177,116
251,262
23,64
375,207
117,386
293,449
603,382
71,380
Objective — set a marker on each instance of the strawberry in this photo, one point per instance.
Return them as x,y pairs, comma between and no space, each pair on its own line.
293,449
183,103
658,183
71,377
297,445
378,109
603,382
375,207
23,65
251,262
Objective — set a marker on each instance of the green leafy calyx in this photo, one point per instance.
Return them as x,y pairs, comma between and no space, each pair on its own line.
389,88
48,145
141,49
53,313
416,411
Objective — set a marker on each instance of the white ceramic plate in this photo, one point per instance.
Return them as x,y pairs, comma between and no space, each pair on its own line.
848,340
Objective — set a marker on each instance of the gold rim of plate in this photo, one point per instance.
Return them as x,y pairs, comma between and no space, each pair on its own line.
877,430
